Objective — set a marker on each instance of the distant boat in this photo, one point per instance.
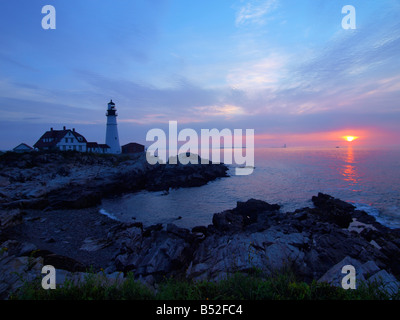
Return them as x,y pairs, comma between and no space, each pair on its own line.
337,147
284,145
247,167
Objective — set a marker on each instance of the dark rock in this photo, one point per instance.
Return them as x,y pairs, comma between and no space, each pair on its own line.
106,177
59,261
255,234
64,263
257,206
325,201
156,227
159,253
228,221
10,218
245,214
252,208
179,232
200,229
333,210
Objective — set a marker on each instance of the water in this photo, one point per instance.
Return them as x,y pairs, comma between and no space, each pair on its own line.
368,178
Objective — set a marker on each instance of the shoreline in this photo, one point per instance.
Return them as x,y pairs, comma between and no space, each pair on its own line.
71,234
73,180
255,234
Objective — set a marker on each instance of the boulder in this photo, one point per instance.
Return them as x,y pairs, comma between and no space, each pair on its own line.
245,214
333,210
156,252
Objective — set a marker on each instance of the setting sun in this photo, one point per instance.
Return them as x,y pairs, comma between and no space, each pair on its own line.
350,138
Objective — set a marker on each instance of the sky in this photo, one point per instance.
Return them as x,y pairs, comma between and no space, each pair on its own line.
285,68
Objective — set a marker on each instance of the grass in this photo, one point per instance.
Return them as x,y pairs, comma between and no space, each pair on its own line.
280,286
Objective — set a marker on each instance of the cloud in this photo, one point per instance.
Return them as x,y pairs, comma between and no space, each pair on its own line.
355,72
254,12
256,75
227,111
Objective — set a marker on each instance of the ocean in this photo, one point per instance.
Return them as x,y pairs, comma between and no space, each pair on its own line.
369,178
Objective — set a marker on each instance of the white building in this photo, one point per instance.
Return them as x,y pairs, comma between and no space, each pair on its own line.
112,139
63,140
67,139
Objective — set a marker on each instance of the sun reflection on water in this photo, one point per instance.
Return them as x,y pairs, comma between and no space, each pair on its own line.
349,170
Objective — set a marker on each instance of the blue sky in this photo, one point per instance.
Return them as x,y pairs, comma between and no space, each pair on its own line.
285,68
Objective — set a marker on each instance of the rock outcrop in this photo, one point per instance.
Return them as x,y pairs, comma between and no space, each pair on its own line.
314,242
256,234
76,180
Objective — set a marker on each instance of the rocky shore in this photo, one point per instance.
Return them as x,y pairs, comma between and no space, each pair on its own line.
74,180
70,234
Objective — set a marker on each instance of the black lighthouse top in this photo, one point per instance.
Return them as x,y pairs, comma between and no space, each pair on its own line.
111,111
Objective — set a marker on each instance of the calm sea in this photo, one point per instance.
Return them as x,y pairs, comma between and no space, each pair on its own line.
368,178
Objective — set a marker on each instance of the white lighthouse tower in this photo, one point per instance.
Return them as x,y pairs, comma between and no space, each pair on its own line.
112,139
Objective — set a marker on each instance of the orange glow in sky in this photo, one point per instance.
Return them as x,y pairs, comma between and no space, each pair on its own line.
344,137
350,138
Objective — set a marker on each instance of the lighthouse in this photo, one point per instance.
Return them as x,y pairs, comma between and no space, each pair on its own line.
112,139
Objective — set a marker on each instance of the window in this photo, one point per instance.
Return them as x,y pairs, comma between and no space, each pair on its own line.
80,148
64,148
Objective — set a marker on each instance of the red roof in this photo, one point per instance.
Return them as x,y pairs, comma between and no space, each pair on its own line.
55,137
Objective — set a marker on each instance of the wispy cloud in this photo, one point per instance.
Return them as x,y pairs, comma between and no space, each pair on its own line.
264,73
227,111
255,12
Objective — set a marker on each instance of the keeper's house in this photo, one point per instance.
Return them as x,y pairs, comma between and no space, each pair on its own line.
67,139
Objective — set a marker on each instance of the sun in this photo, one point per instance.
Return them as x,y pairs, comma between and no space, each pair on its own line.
350,138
